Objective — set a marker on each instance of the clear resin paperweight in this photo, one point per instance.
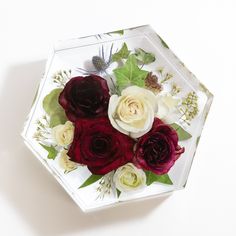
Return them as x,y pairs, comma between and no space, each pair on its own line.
117,117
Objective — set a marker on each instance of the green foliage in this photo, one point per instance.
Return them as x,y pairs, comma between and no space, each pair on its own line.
123,53
163,42
53,108
118,192
52,152
144,57
182,134
152,178
91,179
120,32
130,74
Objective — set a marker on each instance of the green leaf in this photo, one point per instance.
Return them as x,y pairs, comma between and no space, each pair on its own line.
144,57
123,53
197,141
58,117
130,74
151,178
54,109
91,179
163,42
50,102
182,134
118,193
52,152
120,32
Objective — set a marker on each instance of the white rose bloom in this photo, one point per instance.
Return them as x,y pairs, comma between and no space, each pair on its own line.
129,178
65,162
133,112
167,107
63,134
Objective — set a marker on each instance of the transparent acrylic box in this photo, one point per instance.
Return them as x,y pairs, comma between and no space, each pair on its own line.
77,53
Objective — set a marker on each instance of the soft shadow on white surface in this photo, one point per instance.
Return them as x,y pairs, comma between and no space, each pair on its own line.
24,182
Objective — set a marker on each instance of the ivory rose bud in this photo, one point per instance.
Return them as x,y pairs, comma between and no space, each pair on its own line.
129,178
65,162
63,134
133,112
167,107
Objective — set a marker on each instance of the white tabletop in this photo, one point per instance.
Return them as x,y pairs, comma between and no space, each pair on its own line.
202,33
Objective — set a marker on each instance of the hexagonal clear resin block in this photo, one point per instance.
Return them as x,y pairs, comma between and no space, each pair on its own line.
117,117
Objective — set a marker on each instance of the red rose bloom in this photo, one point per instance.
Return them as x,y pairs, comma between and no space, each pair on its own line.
99,146
85,97
158,149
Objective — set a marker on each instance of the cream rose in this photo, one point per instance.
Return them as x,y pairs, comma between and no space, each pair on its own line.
129,178
63,134
65,162
133,112
167,107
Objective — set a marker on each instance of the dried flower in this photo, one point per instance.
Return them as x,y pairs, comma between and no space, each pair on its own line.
151,82
61,77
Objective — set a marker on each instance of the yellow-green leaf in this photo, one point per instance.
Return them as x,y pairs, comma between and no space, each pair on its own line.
91,179
182,134
123,53
52,152
152,177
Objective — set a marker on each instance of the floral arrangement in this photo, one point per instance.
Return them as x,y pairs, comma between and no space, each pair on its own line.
125,127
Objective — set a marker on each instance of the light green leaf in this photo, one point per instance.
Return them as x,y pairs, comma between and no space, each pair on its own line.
50,102
57,117
91,179
144,57
52,152
53,108
118,192
163,42
120,32
197,141
123,53
182,134
151,178
130,74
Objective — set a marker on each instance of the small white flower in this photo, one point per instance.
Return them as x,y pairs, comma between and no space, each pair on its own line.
167,107
63,134
133,112
65,162
129,178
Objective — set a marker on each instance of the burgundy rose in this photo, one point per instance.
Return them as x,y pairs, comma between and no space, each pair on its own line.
158,149
85,97
99,146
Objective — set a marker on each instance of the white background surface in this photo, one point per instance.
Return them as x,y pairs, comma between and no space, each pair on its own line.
202,34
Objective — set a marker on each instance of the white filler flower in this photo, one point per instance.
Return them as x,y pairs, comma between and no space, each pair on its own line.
129,178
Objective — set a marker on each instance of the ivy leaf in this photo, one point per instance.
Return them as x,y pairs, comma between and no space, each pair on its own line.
163,42
118,192
91,179
182,134
123,53
53,108
130,74
52,152
144,57
151,178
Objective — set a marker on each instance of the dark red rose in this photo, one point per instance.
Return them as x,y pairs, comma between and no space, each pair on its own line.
158,149
85,97
99,146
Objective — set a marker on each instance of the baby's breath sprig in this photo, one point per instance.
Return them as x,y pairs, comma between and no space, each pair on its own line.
189,108
43,131
175,89
61,77
163,76
105,185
